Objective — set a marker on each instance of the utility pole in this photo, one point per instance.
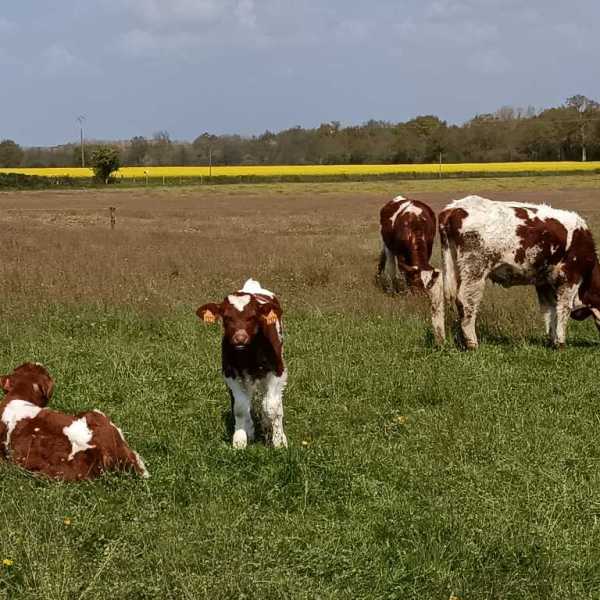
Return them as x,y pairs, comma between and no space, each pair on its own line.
582,110
81,119
210,162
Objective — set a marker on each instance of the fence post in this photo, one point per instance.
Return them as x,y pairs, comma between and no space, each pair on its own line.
113,218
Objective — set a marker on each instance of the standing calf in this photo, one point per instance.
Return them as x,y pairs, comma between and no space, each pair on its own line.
252,358
54,444
519,244
408,232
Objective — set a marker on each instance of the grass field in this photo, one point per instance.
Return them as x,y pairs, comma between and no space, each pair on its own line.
316,171
412,472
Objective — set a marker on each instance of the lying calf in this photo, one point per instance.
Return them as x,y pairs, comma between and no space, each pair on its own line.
252,358
54,444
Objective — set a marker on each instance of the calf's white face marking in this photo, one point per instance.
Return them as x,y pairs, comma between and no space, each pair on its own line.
80,436
239,302
14,411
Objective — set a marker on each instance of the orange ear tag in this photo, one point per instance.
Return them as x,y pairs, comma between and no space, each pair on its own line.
208,317
271,318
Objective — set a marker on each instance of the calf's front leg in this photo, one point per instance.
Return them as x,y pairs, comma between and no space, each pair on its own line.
242,403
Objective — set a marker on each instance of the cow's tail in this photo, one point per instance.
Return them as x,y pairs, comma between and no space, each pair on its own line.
449,264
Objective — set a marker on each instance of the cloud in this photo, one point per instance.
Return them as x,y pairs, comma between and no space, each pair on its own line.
353,30
489,62
56,59
7,26
161,14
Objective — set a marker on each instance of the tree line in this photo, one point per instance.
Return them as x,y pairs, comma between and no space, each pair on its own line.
567,132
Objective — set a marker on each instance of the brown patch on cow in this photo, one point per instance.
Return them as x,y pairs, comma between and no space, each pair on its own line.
543,234
451,220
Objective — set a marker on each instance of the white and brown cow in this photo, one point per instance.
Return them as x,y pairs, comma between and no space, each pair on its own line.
252,359
52,443
408,233
519,244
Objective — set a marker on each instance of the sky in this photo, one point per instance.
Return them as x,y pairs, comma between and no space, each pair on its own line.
135,67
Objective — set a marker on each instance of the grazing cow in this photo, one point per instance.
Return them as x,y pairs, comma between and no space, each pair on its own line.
519,244
408,232
51,443
252,358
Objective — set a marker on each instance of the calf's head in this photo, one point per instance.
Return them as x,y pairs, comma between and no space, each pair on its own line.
31,382
243,317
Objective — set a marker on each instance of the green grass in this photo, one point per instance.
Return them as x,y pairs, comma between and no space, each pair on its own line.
490,489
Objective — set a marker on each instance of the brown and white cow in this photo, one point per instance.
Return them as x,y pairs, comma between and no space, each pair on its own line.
519,244
408,233
252,359
52,443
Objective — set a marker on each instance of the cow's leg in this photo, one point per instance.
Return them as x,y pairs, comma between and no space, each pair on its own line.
468,299
564,302
433,283
242,403
547,299
387,270
272,409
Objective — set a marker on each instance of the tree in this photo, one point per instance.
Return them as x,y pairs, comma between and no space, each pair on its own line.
137,151
105,161
11,154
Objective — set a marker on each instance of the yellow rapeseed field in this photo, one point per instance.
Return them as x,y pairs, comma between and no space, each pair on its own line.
318,170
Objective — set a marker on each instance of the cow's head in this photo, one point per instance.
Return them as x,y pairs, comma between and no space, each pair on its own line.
31,381
587,299
243,317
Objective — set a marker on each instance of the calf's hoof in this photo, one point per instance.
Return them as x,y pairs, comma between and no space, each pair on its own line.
240,439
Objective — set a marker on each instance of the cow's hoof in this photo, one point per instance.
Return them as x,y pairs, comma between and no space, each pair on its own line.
240,439
280,441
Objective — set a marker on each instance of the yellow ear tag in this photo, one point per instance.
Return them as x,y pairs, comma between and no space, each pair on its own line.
271,318
208,317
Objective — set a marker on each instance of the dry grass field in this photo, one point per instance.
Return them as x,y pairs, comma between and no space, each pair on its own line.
412,472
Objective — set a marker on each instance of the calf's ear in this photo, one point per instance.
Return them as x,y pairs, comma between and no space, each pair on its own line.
580,314
270,313
6,383
209,313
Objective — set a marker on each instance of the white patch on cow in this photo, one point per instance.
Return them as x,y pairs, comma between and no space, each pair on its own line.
141,465
36,388
279,330
408,207
426,278
15,411
239,302
399,199
80,436
253,287
99,412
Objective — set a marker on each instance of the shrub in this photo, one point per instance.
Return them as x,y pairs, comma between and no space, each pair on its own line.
105,161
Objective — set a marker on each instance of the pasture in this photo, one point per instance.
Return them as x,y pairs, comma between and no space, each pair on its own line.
412,472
